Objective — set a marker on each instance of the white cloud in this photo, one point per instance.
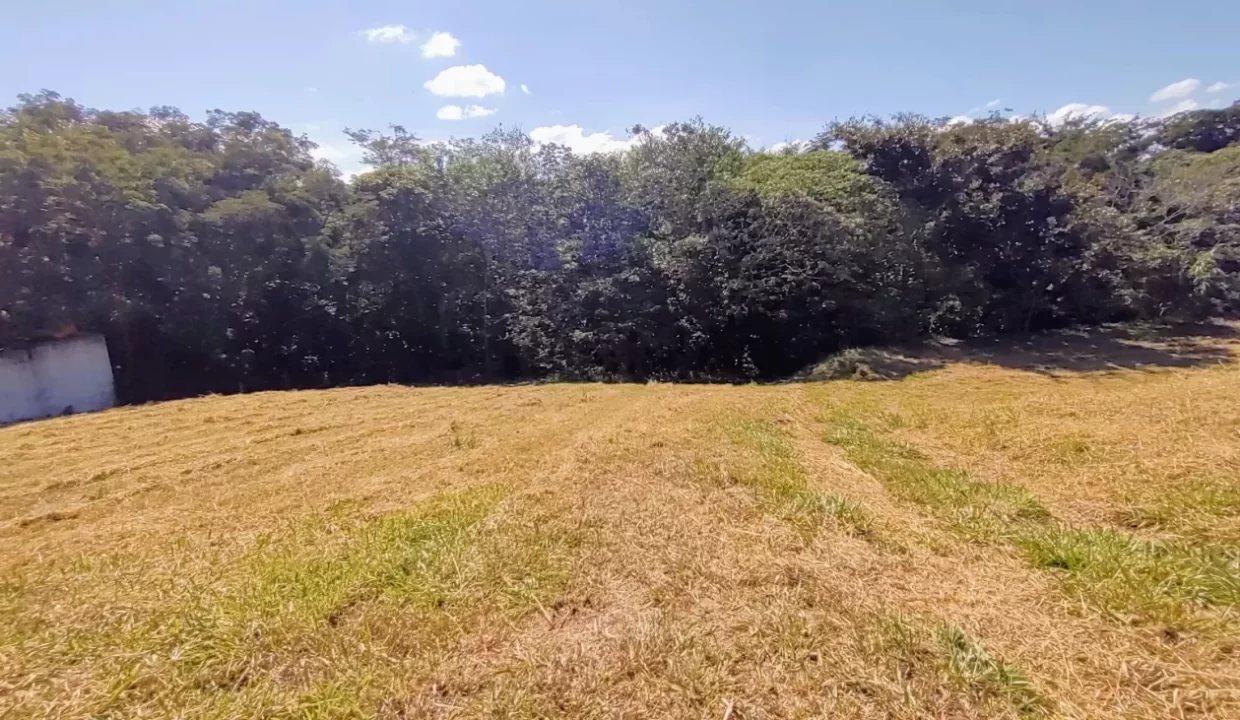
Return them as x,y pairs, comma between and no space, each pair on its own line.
578,141
441,44
967,116
794,145
526,89
312,90
1182,106
345,156
456,112
331,152
1220,86
389,34
1176,90
1079,111
466,81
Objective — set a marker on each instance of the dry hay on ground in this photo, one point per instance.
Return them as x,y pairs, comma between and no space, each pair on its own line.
988,537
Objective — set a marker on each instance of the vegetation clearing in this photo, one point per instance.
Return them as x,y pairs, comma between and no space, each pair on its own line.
1049,530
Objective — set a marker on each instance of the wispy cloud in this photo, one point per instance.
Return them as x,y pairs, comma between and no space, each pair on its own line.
1220,86
1176,90
388,34
1184,105
526,89
345,157
456,112
576,139
969,114
790,146
582,143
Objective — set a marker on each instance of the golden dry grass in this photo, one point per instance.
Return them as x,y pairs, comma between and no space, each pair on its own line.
983,539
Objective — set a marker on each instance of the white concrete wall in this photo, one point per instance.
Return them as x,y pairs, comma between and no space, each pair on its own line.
55,378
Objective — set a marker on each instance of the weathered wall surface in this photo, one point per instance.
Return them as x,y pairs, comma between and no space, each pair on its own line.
55,378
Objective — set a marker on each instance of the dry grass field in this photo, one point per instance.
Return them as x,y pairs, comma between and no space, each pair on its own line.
1049,529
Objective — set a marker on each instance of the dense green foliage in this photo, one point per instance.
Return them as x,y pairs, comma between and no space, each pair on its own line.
219,256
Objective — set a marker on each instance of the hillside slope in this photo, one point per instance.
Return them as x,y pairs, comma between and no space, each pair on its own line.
1049,530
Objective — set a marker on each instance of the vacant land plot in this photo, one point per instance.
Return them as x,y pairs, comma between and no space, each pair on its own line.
1046,530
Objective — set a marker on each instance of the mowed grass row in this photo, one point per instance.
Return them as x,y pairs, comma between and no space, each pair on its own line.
1179,583
944,659
980,540
254,581
323,619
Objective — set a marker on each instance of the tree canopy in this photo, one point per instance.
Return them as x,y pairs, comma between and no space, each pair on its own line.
219,256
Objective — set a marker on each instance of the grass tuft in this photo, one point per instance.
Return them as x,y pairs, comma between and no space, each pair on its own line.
1134,579
898,638
970,666
1205,511
460,438
922,661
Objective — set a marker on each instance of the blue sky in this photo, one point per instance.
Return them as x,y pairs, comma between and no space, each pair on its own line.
772,71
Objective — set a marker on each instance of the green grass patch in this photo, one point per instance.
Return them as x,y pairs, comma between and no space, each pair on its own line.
1134,579
298,586
781,484
979,509
448,558
1204,511
370,594
900,640
1180,584
410,556
930,662
969,665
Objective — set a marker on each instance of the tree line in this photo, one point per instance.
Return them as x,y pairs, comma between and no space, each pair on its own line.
220,256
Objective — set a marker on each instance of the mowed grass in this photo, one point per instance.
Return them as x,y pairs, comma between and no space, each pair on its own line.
1047,532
